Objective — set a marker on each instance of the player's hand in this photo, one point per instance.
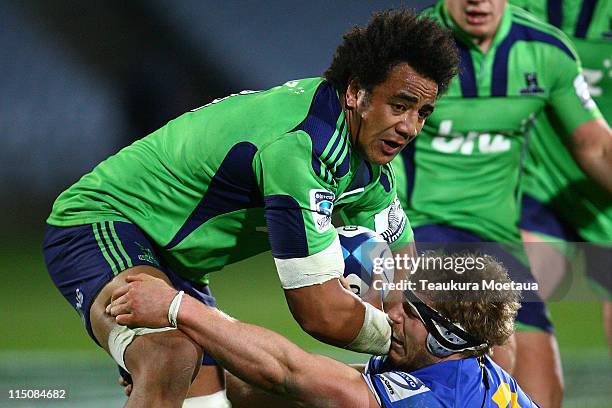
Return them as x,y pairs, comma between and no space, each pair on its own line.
127,387
142,302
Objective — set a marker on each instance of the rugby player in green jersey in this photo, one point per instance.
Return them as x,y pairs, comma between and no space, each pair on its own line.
560,202
460,180
245,174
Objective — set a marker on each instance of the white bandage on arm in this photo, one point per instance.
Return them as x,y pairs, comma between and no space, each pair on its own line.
121,337
311,270
216,400
375,334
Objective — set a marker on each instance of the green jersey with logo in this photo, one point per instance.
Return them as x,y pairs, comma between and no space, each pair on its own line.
464,168
210,187
551,175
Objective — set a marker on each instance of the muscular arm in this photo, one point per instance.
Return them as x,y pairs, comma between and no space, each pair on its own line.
333,314
254,354
244,395
592,149
328,312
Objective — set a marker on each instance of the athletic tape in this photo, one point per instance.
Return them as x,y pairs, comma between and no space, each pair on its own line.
311,270
375,334
121,337
174,308
216,400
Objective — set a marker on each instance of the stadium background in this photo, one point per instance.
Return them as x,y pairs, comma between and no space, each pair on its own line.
80,80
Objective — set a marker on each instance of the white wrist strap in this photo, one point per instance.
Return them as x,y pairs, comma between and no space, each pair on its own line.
174,308
375,334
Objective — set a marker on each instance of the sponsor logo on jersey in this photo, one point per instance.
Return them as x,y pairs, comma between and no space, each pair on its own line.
400,385
391,222
582,91
594,76
322,205
411,383
147,254
388,385
531,80
456,142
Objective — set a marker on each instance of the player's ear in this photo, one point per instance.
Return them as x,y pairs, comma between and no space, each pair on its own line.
352,95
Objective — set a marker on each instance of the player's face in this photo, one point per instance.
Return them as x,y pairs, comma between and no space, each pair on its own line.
478,18
408,342
382,122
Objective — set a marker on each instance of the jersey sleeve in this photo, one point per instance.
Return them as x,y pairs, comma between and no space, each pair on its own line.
570,99
380,210
298,208
397,389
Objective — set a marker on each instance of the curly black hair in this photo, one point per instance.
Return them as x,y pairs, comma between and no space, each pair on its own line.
367,54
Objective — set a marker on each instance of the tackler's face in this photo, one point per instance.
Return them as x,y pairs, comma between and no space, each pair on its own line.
408,339
478,18
383,121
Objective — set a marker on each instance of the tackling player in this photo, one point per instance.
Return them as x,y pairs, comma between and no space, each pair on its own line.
437,358
244,174
560,202
460,181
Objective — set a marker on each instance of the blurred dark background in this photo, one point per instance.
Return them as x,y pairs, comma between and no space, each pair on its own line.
81,79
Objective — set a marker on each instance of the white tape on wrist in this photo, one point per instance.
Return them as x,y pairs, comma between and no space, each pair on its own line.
375,334
174,308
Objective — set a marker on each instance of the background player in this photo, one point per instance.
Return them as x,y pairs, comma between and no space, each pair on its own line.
201,192
560,202
460,180
419,371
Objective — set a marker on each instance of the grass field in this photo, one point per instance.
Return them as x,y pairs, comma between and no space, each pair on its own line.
44,346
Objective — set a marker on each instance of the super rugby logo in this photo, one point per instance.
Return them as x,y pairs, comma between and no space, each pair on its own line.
322,205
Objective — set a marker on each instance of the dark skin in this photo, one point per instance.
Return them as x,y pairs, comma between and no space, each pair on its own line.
265,359
178,355
381,123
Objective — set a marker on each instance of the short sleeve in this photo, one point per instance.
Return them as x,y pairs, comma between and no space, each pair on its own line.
380,210
297,203
298,209
569,97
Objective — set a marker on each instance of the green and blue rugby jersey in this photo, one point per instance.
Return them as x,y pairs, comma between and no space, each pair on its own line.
209,187
551,174
464,169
